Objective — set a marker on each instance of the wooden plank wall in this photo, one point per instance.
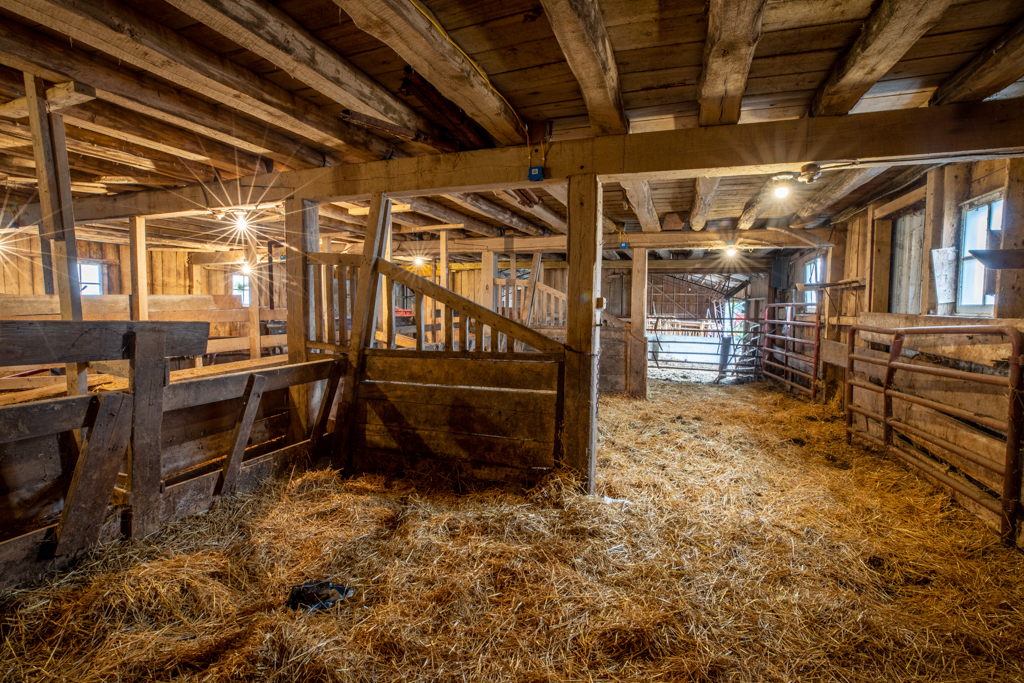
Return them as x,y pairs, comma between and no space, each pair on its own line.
418,412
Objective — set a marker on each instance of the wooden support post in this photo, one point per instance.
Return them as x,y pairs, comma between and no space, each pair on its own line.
956,191
139,301
147,376
582,335
197,272
932,237
57,226
443,280
488,267
252,259
302,228
330,311
386,303
363,315
636,376
92,484
1010,283
240,436
316,439
881,263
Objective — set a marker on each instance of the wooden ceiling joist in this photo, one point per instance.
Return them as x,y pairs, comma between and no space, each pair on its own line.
497,212
267,31
998,66
429,207
837,187
56,61
411,30
891,30
638,193
703,198
553,220
127,34
755,208
734,29
579,29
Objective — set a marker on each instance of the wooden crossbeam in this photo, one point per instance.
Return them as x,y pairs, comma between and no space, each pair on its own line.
417,36
892,29
838,186
704,190
638,192
579,29
734,29
58,98
488,208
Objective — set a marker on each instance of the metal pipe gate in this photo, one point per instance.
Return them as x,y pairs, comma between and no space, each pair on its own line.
1007,507
783,330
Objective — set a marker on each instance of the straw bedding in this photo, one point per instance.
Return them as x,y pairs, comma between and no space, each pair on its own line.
754,546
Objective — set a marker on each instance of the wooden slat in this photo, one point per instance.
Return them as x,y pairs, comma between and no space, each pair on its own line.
458,420
524,402
448,298
29,420
537,376
221,388
95,475
243,344
66,341
441,444
240,435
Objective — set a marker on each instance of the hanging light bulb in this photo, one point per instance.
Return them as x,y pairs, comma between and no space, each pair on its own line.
246,269
418,261
731,251
782,191
241,223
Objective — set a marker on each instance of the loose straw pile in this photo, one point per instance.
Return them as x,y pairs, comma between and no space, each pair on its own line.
745,542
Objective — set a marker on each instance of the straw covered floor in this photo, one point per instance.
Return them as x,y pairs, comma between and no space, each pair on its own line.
747,543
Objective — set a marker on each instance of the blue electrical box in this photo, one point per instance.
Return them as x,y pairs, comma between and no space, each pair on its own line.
623,245
536,173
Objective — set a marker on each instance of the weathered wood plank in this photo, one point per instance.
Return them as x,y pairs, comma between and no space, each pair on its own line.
67,341
147,374
95,475
444,444
463,372
240,434
997,67
734,29
211,389
458,419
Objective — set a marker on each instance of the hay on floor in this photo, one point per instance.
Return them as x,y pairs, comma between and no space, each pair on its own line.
747,542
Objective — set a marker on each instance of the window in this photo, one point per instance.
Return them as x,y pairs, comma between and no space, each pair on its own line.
90,278
814,272
240,287
982,229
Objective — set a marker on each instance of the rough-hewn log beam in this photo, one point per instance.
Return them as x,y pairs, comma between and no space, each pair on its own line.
499,213
998,66
638,193
262,28
890,31
755,208
580,32
541,211
734,28
417,38
704,190
441,212
124,33
54,60
838,186
58,98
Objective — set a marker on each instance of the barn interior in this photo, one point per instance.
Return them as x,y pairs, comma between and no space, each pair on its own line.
579,339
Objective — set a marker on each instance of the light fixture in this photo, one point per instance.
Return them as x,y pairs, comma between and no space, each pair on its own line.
731,250
246,269
781,191
782,183
418,261
241,223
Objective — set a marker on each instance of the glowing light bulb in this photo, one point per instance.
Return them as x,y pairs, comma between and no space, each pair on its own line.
241,223
246,269
731,251
781,191
418,261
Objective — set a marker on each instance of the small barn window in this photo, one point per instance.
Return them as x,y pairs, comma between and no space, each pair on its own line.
814,271
240,287
982,229
90,278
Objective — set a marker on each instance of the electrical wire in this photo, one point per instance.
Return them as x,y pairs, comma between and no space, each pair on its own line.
429,17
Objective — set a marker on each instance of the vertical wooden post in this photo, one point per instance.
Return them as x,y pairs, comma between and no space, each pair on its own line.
636,377
252,259
139,300
1010,283
363,317
582,335
385,304
57,227
443,280
488,266
330,310
881,263
302,229
956,191
147,374
933,208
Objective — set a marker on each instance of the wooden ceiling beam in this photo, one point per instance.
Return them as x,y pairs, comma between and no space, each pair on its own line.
56,61
553,220
475,202
734,29
838,186
579,29
755,208
420,40
262,28
93,169
429,207
704,190
998,66
891,30
638,194
58,98
150,45
561,195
